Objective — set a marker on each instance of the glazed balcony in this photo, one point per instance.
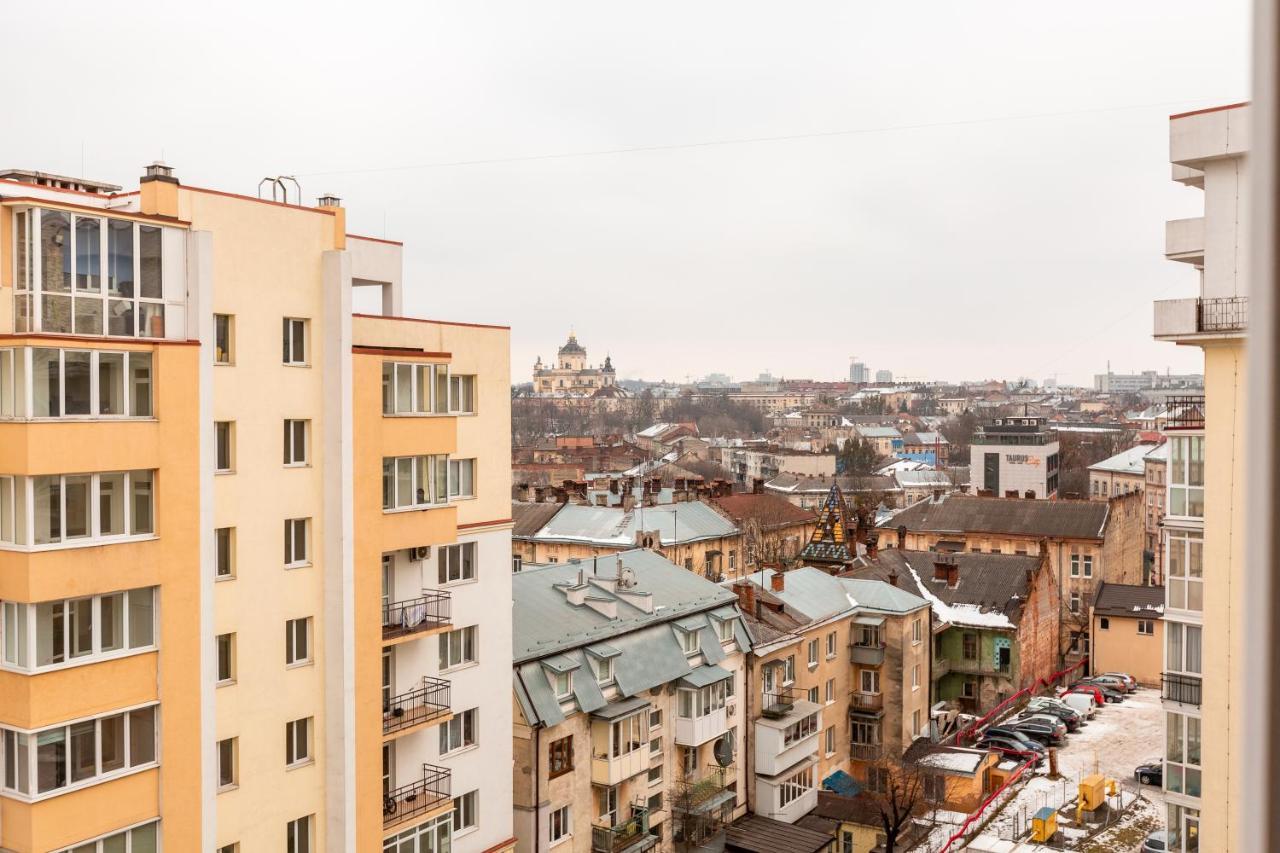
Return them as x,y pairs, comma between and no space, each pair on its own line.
424,705
419,799
867,654
428,614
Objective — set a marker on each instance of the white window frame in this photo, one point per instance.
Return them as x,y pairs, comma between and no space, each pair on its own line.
127,832
917,631
460,732
297,431
690,641
457,563
694,703
1179,480
18,397
292,560
292,329
420,377
291,656
230,640
466,812
603,668
297,737
813,653
228,549
297,844
456,479
230,428
420,468
22,525
560,824
224,355
456,383
831,645
1184,570
24,619
234,760
459,648
562,685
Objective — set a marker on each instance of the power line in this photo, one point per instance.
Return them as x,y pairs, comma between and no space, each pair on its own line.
751,140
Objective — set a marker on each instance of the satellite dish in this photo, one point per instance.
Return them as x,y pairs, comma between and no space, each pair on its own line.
722,751
628,578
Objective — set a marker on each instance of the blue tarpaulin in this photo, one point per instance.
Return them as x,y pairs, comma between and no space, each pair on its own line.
842,783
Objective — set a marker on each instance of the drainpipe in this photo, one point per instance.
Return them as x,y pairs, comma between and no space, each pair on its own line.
537,774
748,730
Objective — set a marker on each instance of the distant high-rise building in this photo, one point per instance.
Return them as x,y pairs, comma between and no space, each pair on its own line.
859,373
884,376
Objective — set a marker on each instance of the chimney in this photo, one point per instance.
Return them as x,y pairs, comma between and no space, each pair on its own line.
893,577
628,501
937,496
757,486
873,545
778,581
902,537
332,204
539,494
613,485
158,191
746,592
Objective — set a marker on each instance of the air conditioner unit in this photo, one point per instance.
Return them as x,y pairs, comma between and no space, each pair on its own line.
422,552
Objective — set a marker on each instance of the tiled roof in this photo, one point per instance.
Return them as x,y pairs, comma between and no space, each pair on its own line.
1136,602
992,583
770,511
753,833
613,526
1055,519
529,518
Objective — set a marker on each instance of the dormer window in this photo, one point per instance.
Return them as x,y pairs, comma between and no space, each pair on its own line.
604,670
689,642
562,682
724,629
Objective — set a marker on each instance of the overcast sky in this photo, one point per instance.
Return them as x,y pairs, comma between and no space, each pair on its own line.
1000,213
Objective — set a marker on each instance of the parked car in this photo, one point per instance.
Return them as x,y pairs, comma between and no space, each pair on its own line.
1150,773
1161,841
1110,693
1015,735
1049,702
1067,716
1058,725
1009,748
1043,733
1126,677
1115,682
1089,690
1082,702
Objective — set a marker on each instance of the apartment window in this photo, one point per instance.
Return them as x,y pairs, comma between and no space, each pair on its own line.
226,644
813,695
462,394
80,753
228,772
1075,565
935,787
969,646
915,677
1182,648
655,747
655,775
1182,754
789,670
223,326
297,641
295,341
43,382
458,647
915,722
1146,627
733,560
917,631
628,735
869,680
831,645
560,757
414,389
77,631
689,641
794,787
223,553
830,695
224,440
562,683
462,478
465,811
76,509
1104,623
457,563
429,837
1074,605
560,826
655,805
655,718
297,742
697,703
459,732
813,653
296,540
413,482
230,848
1186,476
1184,575
830,736
139,839
864,733
604,670
724,629
298,835
296,442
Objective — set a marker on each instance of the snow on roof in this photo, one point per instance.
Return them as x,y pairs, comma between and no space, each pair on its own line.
1131,461
958,760
959,614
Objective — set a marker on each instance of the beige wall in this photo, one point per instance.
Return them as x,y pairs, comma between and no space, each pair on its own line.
1120,648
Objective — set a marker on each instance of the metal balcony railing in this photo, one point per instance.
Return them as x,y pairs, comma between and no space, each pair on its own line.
866,751
687,793
614,839
1222,314
866,703
432,610
1181,688
1185,412
418,797
420,705
779,703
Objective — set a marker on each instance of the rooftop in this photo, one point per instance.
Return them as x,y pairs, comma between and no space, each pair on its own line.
676,523
1131,461
1134,601
1054,519
770,511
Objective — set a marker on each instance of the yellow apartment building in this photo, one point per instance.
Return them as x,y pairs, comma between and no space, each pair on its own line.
251,542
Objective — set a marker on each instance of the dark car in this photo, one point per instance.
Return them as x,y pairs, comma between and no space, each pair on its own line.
1150,773
1010,748
1109,693
1040,732
1070,718
1011,733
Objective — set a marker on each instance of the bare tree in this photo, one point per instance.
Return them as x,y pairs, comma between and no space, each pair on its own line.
902,794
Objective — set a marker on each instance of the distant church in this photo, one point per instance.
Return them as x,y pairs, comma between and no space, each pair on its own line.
571,376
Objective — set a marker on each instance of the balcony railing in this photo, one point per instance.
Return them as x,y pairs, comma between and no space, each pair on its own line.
971,666
420,705
866,751
1223,314
408,801
615,839
866,703
1184,689
690,793
779,703
1184,412
868,654
400,618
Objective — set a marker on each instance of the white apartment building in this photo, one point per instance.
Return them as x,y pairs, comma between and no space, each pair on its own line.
1015,457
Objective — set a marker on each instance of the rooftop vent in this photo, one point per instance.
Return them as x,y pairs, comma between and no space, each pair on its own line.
329,200
159,169
60,182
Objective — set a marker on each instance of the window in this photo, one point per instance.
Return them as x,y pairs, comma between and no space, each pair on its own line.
295,341
813,695
430,837
1146,627
813,653
655,805
733,560
789,670
459,732
1182,648
562,682
1182,754
655,747
969,646
628,735
297,641
230,848
869,680
604,670
1186,476
831,645
77,509
465,811
457,562
915,677
689,641
223,553
224,439
1075,565
655,718
139,839
794,787
1104,623
517,563
830,695
655,775
560,757
915,722
414,389
917,631
74,383
228,773
1184,576
458,647
296,537
298,835
694,703
805,727
297,742
935,787
462,478
77,631
222,338
864,733
413,482
560,826
1074,605
226,644
830,736
462,394
724,629
78,754
295,442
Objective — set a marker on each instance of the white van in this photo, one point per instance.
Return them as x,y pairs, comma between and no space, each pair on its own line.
1082,702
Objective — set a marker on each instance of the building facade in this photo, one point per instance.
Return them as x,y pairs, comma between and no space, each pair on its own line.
570,375
1015,457
240,530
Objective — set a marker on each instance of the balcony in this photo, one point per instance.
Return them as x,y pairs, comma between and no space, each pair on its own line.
1183,689
630,836
866,751
1178,319
405,619
420,706
1184,240
782,742
779,703
1185,412
612,770
1223,314
867,654
702,793
869,704
430,794
968,666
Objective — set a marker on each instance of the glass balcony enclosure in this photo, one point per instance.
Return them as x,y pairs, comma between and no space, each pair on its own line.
45,383
76,510
96,275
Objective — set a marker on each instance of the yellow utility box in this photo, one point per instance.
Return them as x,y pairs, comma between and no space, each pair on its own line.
1044,825
1093,792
